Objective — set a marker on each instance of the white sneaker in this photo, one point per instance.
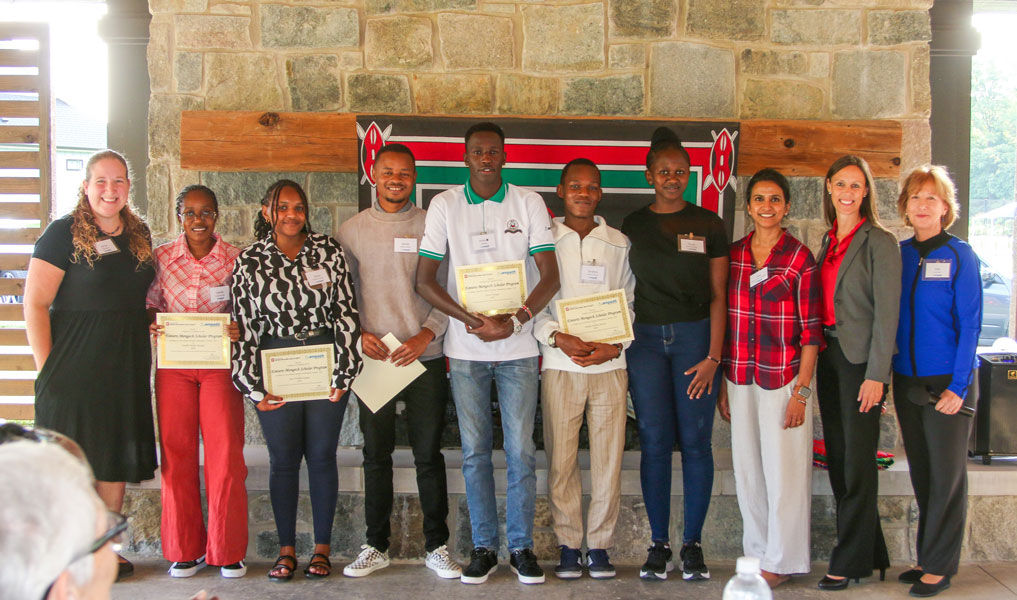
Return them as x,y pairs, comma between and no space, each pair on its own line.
234,571
441,563
369,561
187,568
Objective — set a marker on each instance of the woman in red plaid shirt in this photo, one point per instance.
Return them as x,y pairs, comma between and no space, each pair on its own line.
773,337
193,275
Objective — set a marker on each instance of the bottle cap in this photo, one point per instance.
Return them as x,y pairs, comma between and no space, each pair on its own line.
747,565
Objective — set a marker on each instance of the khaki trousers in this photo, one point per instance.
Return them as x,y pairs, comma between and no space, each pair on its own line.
566,397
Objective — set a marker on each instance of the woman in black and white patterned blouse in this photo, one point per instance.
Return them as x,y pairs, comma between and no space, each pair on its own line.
291,288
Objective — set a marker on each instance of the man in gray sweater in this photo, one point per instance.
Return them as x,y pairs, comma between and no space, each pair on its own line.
380,244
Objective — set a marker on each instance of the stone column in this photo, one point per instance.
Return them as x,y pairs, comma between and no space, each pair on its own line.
125,29
954,42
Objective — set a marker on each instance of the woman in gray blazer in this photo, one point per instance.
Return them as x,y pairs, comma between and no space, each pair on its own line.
859,269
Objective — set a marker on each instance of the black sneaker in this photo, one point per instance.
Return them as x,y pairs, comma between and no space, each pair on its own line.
570,565
693,567
483,562
658,562
599,564
524,564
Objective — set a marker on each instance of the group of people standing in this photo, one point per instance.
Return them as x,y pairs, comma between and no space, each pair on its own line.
737,327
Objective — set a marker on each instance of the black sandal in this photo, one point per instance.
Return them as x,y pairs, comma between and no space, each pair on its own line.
324,564
283,563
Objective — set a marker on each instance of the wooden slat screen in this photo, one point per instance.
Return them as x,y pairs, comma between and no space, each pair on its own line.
25,144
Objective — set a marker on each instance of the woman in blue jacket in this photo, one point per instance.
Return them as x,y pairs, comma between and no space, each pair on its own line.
940,319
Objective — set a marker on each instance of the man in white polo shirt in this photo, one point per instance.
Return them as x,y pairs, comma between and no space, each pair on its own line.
488,221
584,377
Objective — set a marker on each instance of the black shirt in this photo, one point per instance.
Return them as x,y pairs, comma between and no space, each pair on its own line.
673,286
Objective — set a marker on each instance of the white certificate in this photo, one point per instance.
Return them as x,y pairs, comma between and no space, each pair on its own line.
492,288
381,380
600,317
300,372
193,341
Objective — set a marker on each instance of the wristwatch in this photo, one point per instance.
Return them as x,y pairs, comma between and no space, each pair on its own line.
803,391
517,325
257,396
550,339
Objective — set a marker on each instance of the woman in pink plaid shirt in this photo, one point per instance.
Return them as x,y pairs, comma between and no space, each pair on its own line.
193,274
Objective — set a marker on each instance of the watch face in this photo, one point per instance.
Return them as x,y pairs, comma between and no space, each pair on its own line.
804,391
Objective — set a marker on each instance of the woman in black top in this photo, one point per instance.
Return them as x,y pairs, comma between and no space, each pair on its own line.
291,288
680,259
86,322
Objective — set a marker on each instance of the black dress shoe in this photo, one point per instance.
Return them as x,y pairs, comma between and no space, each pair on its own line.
830,584
911,576
928,590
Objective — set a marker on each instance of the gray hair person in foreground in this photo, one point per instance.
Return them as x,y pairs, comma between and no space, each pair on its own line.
56,535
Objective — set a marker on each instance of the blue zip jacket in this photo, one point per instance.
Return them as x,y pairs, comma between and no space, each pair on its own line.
940,310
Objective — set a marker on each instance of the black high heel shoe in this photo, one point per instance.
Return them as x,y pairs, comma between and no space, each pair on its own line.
830,584
882,573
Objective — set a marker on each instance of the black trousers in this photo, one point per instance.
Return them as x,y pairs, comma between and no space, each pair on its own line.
299,431
425,401
936,446
851,440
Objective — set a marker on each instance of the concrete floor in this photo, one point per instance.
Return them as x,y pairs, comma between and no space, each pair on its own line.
412,581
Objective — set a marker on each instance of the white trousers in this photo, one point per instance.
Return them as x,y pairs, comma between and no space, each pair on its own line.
773,477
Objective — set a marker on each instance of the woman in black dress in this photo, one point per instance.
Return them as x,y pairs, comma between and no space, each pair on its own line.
86,323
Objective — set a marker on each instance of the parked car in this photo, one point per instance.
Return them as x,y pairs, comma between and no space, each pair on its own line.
995,305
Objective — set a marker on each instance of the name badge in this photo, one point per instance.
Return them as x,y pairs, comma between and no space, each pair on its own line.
593,274
219,293
106,246
694,244
759,277
406,245
482,242
316,277
937,270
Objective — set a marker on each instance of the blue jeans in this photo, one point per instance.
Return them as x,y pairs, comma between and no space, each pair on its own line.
656,361
517,400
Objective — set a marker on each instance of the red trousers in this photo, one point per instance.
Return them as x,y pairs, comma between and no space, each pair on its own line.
186,400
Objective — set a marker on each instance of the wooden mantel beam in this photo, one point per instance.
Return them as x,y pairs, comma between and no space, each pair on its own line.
306,141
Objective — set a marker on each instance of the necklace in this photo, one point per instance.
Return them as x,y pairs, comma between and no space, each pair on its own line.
115,232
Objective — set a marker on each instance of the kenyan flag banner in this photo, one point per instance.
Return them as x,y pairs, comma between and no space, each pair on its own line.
537,149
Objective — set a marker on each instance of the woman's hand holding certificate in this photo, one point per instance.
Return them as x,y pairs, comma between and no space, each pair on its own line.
193,340
492,288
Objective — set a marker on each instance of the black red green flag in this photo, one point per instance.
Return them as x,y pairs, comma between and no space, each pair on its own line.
537,149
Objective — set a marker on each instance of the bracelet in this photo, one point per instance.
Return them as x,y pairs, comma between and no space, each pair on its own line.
619,348
716,360
526,309
802,401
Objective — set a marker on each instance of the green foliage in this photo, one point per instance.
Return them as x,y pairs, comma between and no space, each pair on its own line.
993,131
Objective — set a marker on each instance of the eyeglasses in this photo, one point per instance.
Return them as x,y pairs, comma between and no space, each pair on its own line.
190,215
116,524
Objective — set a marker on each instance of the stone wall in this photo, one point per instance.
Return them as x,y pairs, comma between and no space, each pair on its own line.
723,59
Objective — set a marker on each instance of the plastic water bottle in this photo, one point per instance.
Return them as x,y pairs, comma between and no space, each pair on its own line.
747,584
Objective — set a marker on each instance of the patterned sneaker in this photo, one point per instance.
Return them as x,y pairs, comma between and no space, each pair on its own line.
483,562
187,568
693,567
599,564
658,562
234,571
524,564
369,561
570,565
441,563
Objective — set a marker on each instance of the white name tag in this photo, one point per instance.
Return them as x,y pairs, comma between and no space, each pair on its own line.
937,270
106,246
483,242
406,245
316,277
759,277
593,274
694,244
219,293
